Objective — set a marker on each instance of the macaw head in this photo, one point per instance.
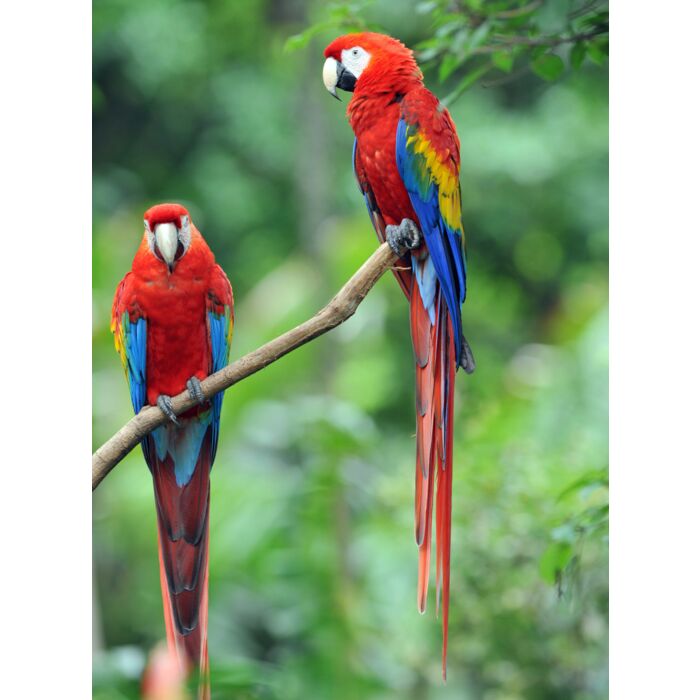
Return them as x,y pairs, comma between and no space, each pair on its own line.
168,232
369,62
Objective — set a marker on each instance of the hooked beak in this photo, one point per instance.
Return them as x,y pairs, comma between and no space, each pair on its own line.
335,75
166,243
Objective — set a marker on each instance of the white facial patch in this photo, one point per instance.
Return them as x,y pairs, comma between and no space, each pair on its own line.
184,232
355,60
151,236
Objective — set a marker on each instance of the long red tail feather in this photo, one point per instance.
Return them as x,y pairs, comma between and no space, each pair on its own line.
434,351
183,550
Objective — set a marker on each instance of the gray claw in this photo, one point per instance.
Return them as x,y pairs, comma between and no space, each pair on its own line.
194,387
405,236
411,233
392,232
165,404
466,359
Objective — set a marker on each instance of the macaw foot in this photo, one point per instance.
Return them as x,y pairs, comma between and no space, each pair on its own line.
165,404
466,359
405,236
195,390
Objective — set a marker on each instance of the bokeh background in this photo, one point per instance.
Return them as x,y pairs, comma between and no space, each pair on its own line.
313,561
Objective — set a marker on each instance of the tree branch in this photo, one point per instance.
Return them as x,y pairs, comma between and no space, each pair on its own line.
339,309
508,41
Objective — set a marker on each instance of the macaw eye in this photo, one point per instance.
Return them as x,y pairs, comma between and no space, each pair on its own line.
355,52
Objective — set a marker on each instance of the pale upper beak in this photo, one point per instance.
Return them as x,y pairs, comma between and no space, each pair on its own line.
330,76
166,241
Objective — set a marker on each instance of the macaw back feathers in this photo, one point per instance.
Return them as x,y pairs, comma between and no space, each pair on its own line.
433,166
427,157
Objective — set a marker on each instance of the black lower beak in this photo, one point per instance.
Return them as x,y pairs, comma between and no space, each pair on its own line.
346,80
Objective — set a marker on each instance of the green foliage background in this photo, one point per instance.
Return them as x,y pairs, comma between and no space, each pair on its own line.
313,563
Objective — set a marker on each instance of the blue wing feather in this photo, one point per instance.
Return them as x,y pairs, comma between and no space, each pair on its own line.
443,242
131,342
135,334
220,339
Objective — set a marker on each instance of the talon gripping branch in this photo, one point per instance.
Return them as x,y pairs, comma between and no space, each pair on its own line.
406,159
172,321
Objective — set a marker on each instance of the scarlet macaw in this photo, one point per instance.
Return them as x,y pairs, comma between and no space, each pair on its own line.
406,160
172,321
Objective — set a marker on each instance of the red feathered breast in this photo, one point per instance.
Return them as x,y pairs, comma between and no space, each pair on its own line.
174,305
375,129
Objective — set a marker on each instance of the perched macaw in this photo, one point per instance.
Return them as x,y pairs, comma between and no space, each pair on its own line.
172,321
406,160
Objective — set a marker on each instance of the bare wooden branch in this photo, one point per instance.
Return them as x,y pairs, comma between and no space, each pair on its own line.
339,309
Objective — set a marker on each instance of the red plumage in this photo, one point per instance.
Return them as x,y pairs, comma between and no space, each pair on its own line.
176,308
176,350
390,88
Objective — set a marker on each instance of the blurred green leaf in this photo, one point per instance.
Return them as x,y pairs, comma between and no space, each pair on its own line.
299,41
467,82
424,8
537,51
595,478
503,60
577,54
554,560
449,26
476,37
598,51
551,16
548,66
448,65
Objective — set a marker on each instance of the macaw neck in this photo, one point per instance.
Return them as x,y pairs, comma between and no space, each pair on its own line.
379,92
